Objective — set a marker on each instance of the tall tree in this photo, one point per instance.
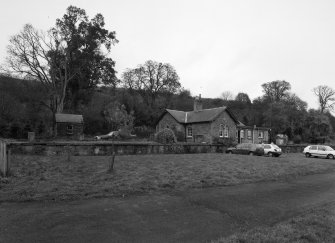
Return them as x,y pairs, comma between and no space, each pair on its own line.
29,57
326,97
66,59
276,90
86,45
243,97
153,78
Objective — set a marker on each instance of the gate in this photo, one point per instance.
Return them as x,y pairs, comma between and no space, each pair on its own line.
4,158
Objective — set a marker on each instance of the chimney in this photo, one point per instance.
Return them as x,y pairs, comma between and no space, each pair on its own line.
197,103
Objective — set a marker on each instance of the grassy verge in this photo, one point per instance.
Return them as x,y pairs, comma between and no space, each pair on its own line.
54,178
317,225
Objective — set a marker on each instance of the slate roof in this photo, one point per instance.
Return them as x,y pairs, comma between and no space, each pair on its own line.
205,115
70,118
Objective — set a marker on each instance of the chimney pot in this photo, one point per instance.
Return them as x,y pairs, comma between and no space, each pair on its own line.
197,103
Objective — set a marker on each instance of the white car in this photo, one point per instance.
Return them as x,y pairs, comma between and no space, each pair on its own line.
322,151
111,135
272,150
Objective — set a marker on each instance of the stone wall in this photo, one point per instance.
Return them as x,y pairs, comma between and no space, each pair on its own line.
85,149
106,148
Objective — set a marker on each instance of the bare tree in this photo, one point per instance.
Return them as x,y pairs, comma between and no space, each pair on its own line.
227,95
326,97
152,77
276,90
36,55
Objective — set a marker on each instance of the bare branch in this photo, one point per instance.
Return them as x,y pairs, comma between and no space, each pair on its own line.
326,97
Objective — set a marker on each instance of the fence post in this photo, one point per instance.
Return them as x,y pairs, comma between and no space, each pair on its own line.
3,158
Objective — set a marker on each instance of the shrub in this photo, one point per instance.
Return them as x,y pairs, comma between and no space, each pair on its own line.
143,131
180,136
165,136
225,141
297,139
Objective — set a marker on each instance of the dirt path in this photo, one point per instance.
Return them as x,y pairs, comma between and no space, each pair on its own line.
192,216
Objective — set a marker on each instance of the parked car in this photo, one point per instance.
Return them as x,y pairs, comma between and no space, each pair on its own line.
113,134
272,150
246,148
322,151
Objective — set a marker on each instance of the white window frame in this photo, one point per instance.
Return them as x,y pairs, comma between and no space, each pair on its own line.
69,129
242,134
221,131
260,134
189,131
249,134
226,131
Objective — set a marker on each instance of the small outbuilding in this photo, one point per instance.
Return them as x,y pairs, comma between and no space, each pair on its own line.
69,125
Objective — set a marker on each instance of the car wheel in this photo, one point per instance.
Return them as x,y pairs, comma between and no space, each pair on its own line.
330,156
251,153
270,154
308,155
230,152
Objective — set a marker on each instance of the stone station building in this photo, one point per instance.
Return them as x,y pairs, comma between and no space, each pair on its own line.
210,125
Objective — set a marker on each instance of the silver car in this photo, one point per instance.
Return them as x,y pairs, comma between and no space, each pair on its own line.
272,150
322,151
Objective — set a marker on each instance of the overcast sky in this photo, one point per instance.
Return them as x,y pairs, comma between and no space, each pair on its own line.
215,45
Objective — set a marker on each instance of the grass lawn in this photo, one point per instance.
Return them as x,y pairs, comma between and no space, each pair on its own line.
54,178
317,225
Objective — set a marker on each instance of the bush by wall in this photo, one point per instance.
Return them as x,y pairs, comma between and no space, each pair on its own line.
165,136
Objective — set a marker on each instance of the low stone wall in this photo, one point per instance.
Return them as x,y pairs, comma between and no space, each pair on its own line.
295,148
98,148
106,148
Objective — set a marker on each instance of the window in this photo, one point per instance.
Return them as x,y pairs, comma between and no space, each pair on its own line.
225,131
69,129
322,148
189,132
221,131
249,134
260,134
242,134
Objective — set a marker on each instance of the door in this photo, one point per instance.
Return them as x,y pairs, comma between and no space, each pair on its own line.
313,150
322,151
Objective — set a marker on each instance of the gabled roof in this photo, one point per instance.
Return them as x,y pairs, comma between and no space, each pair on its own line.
71,118
178,115
205,115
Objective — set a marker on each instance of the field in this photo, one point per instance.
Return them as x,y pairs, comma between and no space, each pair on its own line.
36,178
